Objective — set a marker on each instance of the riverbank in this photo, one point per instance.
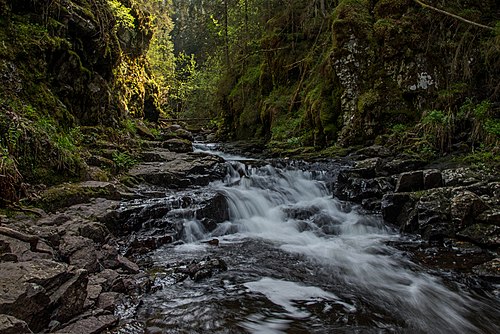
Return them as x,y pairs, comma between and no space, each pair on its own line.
69,267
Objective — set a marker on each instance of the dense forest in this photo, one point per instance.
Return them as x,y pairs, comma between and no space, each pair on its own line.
314,77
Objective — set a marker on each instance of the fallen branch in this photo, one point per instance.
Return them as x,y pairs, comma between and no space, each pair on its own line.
453,15
31,239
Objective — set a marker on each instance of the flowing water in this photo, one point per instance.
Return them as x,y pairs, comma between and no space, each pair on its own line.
300,261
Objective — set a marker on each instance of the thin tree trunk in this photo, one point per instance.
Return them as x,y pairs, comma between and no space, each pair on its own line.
453,15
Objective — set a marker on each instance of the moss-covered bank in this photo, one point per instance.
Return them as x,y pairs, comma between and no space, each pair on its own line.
68,66
358,72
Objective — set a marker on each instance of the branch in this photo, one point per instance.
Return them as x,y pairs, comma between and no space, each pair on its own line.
454,16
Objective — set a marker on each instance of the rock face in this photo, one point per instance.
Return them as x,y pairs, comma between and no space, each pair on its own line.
452,203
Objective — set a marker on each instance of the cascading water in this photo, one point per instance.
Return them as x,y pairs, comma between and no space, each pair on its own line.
301,261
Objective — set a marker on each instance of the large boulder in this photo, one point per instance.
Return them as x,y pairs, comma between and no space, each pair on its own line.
29,290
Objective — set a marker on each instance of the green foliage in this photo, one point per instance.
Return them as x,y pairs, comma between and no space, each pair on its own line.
129,125
122,14
123,161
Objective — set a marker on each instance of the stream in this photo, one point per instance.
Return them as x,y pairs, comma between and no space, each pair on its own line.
300,261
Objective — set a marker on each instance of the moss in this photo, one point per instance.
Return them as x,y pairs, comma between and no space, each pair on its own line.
368,100
68,194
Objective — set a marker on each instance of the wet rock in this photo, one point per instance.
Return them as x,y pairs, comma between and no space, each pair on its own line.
434,216
489,217
396,207
214,208
198,270
148,243
432,179
463,176
367,168
108,300
12,325
465,207
489,270
485,235
127,265
90,325
410,181
351,187
178,145
398,166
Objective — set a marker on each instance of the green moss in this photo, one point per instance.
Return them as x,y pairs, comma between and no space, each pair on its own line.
368,100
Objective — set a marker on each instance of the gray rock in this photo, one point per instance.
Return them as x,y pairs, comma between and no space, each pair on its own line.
70,297
27,287
182,171
108,300
465,208
127,265
80,252
410,181
12,325
178,145
90,325
94,231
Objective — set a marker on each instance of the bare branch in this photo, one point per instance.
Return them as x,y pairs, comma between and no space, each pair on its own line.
454,16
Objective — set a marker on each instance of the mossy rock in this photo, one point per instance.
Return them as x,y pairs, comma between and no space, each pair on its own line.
69,194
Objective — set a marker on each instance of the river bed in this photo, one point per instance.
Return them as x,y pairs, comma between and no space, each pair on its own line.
300,261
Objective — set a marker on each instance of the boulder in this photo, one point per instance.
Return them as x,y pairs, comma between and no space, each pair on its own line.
94,231
108,301
127,265
489,217
489,270
396,207
410,181
481,234
184,170
27,288
432,179
434,215
178,145
465,208
463,176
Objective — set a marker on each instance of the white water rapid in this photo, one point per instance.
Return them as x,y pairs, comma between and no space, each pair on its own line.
301,261
298,214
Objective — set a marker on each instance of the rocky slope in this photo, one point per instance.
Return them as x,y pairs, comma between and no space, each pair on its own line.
64,268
